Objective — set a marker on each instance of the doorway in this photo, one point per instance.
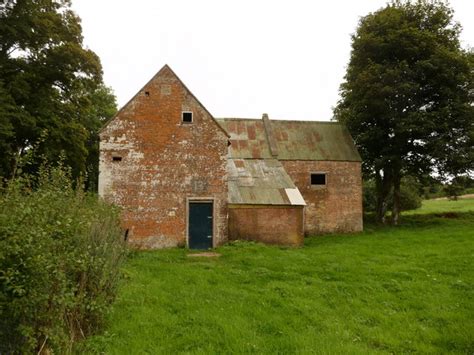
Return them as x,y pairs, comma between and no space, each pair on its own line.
200,225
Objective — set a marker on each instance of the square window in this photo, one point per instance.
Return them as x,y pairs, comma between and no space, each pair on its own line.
318,179
187,117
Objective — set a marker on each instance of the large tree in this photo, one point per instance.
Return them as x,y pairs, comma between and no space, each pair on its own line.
51,92
407,97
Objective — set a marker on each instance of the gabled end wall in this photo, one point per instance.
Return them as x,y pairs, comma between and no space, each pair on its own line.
151,163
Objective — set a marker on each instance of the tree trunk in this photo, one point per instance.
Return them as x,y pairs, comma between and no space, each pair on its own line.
13,166
379,208
383,185
15,162
396,198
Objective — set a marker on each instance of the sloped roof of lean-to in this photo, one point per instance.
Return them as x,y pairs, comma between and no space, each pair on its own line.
261,182
294,140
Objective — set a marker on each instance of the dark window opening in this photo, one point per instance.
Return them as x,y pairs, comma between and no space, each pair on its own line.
116,158
318,179
187,117
147,93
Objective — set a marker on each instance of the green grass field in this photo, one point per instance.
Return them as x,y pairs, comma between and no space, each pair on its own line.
444,206
387,290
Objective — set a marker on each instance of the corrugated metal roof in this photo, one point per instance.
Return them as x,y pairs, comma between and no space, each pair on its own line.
294,140
261,182
247,138
306,140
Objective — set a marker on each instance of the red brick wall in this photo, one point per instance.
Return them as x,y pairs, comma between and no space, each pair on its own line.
267,224
336,207
164,161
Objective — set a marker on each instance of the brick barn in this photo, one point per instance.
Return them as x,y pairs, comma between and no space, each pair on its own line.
185,178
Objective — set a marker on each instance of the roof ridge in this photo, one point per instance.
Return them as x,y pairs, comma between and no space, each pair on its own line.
302,121
278,120
238,118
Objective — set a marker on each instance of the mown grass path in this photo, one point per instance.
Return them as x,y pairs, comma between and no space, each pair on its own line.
387,290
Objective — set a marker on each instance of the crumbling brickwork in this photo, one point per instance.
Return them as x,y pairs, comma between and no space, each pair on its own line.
164,159
335,207
151,163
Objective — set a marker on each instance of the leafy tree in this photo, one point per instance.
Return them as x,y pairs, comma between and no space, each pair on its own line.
51,86
101,107
458,186
453,190
407,97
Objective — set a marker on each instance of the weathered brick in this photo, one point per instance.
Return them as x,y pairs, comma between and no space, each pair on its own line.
335,207
282,225
164,162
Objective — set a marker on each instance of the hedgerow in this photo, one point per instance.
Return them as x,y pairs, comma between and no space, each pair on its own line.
60,255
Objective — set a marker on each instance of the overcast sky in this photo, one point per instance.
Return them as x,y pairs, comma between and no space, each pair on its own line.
241,58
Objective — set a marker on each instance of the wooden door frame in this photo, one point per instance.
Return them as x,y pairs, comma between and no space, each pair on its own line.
211,200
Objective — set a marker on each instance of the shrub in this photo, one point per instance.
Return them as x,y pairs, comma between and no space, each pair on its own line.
60,254
410,198
369,195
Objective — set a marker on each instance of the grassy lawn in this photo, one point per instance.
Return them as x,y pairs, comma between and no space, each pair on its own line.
387,290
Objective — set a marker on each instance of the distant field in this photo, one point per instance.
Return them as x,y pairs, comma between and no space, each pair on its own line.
440,206
387,290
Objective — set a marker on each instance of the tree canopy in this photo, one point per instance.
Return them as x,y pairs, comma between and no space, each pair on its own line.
52,96
407,97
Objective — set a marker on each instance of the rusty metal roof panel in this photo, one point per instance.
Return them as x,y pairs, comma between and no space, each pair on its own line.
312,140
247,138
261,182
294,140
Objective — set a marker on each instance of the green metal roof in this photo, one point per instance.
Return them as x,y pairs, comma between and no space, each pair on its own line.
261,182
294,140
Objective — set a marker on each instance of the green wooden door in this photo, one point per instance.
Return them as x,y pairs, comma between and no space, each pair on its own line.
200,225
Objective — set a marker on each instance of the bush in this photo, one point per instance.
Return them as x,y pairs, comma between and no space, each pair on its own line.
369,197
410,198
60,254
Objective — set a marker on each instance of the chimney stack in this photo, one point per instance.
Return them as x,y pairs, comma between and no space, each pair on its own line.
270,138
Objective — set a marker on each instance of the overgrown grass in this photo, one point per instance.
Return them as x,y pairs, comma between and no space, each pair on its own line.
388,290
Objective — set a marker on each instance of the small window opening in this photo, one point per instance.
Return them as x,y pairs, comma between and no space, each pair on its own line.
318,179
116,158
187,117
147,93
